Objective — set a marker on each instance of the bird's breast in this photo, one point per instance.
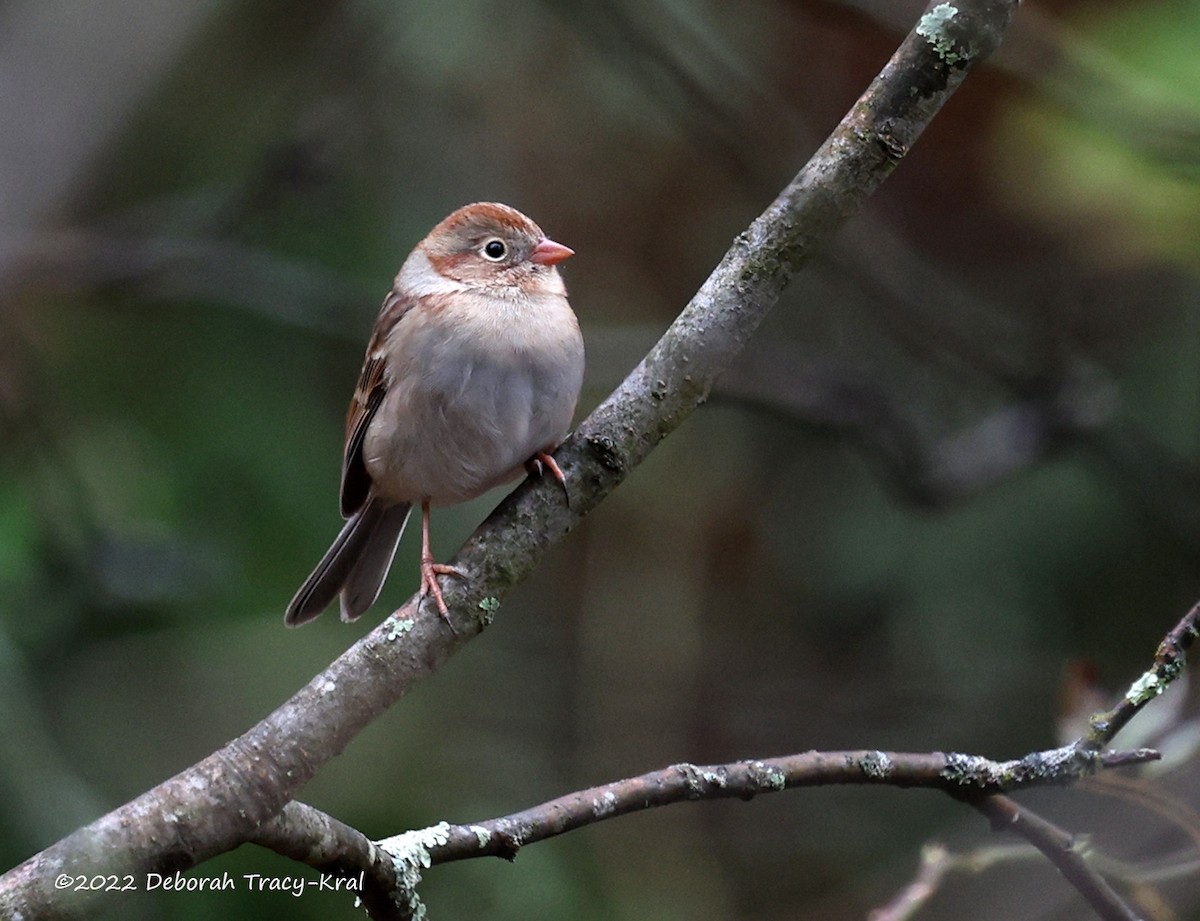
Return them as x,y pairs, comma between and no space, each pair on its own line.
473,392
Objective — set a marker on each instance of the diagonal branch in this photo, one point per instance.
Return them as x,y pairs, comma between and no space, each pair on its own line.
223,800
1061,849
1168,665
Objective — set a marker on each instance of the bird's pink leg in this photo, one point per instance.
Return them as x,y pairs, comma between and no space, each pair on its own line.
430,570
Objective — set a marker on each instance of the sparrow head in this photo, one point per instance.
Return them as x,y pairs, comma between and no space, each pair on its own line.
492,245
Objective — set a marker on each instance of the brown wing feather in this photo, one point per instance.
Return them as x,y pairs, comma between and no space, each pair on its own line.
372,385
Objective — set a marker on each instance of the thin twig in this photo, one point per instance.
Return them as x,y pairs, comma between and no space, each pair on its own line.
1060,848
1168,665
1058,845
965,776
937,862
307,835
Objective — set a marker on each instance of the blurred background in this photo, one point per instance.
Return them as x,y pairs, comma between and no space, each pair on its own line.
950,494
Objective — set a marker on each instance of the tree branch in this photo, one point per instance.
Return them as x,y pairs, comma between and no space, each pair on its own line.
312,837
1168,665
980,782
936,863
225,799
307,835
958,774
1060,849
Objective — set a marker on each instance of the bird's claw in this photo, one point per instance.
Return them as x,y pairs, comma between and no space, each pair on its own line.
543,461
429,585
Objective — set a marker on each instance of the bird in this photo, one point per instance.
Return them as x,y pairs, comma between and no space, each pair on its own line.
472,374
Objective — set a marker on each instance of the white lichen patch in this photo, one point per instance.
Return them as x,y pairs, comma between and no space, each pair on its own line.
932,28
1146,687
482,835
876,764
767,776
605,805
489,606
968,769
410,855
396,627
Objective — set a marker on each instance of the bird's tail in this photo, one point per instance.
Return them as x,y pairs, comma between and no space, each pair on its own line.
354,566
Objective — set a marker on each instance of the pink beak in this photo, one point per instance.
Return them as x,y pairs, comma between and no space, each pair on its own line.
550,253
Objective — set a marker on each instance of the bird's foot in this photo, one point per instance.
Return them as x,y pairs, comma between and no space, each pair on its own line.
429,584
541,462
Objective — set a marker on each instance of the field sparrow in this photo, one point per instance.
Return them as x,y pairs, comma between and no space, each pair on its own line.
471,376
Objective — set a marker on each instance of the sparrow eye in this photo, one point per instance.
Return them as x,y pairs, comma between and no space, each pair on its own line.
495,250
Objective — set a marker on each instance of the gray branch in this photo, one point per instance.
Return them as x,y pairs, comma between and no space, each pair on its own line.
309,836
312,837
962,776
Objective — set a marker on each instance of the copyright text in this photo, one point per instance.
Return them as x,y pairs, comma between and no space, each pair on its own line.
178,882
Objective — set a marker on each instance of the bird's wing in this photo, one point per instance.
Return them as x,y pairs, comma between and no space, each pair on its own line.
372,386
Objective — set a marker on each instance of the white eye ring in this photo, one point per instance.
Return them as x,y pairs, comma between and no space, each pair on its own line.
494,250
